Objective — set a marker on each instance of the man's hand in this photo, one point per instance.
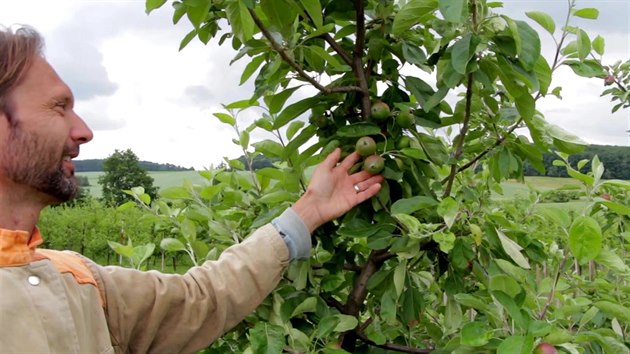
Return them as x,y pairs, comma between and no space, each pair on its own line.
332,191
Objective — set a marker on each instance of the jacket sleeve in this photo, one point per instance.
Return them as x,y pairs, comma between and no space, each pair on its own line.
151,312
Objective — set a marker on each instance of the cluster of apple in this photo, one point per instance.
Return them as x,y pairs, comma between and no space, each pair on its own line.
372,162
366,146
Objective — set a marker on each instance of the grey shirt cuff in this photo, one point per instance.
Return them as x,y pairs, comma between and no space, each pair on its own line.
294,233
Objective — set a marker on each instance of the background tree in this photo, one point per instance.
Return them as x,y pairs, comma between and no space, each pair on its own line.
122,172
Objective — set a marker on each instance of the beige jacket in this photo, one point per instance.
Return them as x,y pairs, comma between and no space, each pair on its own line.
61,302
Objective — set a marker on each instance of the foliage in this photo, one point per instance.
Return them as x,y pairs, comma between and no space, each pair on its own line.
86,228
95,165
122,172
615,158
431,264
619,78
559,196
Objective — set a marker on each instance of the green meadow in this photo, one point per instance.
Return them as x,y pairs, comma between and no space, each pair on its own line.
511,189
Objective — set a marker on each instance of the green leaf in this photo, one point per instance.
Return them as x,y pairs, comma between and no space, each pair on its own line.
599,45
127,205
586,68
452,315
357,130
413,304
277,101
475,334
240,104
435,99
308,305
269,148
588,13
513,310
244,139
583,44
462,53
281,14
251,68
198,12
151,5
172,245
539,328
410,205
504,283
187,38
266,338
225,118
446,241
588,315
516,345
293,128
585,238
473,301
314,10
614,310
346,323
528,47
324,55
123,250
543,20
240,20
411,224
175,193
448,209
189,230
526,106
620,209
276,197
454,10
412,13
513,250
543,74
414,153
564,140
294,110
400,273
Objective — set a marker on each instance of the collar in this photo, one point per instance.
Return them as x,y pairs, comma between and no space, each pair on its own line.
18,247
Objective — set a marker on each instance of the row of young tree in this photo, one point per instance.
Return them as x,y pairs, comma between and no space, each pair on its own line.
96,165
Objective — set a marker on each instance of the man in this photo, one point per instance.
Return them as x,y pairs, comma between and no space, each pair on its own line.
54,301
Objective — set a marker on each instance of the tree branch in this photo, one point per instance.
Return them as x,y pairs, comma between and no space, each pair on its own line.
287,59
462,135
359,293
393,346
357,59
553,289
332,302
342,53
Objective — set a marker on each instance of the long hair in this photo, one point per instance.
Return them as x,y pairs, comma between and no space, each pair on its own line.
18,49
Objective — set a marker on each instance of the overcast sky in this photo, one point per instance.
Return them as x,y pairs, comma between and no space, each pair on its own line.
136,90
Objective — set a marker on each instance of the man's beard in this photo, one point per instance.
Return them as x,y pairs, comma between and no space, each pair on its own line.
30,161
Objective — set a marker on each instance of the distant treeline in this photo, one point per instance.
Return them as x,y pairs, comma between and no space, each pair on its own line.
616,160
96,165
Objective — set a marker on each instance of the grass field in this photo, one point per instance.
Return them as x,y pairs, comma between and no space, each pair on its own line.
511,189
161,179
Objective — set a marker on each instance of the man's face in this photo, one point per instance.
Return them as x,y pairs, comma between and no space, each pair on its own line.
40,134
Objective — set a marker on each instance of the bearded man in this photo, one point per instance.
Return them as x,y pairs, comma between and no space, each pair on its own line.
59,301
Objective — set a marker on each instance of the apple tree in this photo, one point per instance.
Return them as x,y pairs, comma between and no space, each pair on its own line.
440,97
